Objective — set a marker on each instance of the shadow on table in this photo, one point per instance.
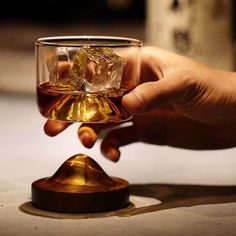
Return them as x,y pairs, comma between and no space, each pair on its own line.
169,196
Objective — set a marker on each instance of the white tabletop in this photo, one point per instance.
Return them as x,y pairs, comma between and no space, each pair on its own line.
174,191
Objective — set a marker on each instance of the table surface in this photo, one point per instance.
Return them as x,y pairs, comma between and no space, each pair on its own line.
174,191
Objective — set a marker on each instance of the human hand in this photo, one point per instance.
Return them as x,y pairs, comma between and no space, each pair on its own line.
179,103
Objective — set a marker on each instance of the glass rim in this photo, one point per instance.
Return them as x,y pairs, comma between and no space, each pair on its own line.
64,41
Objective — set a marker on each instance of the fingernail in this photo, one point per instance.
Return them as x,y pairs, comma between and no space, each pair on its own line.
132,102
112,154
86,140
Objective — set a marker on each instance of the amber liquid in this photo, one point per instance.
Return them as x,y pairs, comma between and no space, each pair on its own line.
61,103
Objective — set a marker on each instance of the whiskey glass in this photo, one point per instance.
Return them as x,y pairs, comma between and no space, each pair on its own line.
83,78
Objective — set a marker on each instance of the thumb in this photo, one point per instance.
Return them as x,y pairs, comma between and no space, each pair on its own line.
148,96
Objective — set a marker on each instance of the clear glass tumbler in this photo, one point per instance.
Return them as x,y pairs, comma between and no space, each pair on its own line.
83,78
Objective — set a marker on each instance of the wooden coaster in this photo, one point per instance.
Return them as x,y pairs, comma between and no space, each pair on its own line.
80,185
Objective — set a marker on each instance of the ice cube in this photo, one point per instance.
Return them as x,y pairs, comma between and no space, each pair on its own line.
97,69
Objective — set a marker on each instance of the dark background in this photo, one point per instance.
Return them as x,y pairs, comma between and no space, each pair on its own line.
75,11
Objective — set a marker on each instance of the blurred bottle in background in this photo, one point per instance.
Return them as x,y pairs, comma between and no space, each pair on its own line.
196,28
